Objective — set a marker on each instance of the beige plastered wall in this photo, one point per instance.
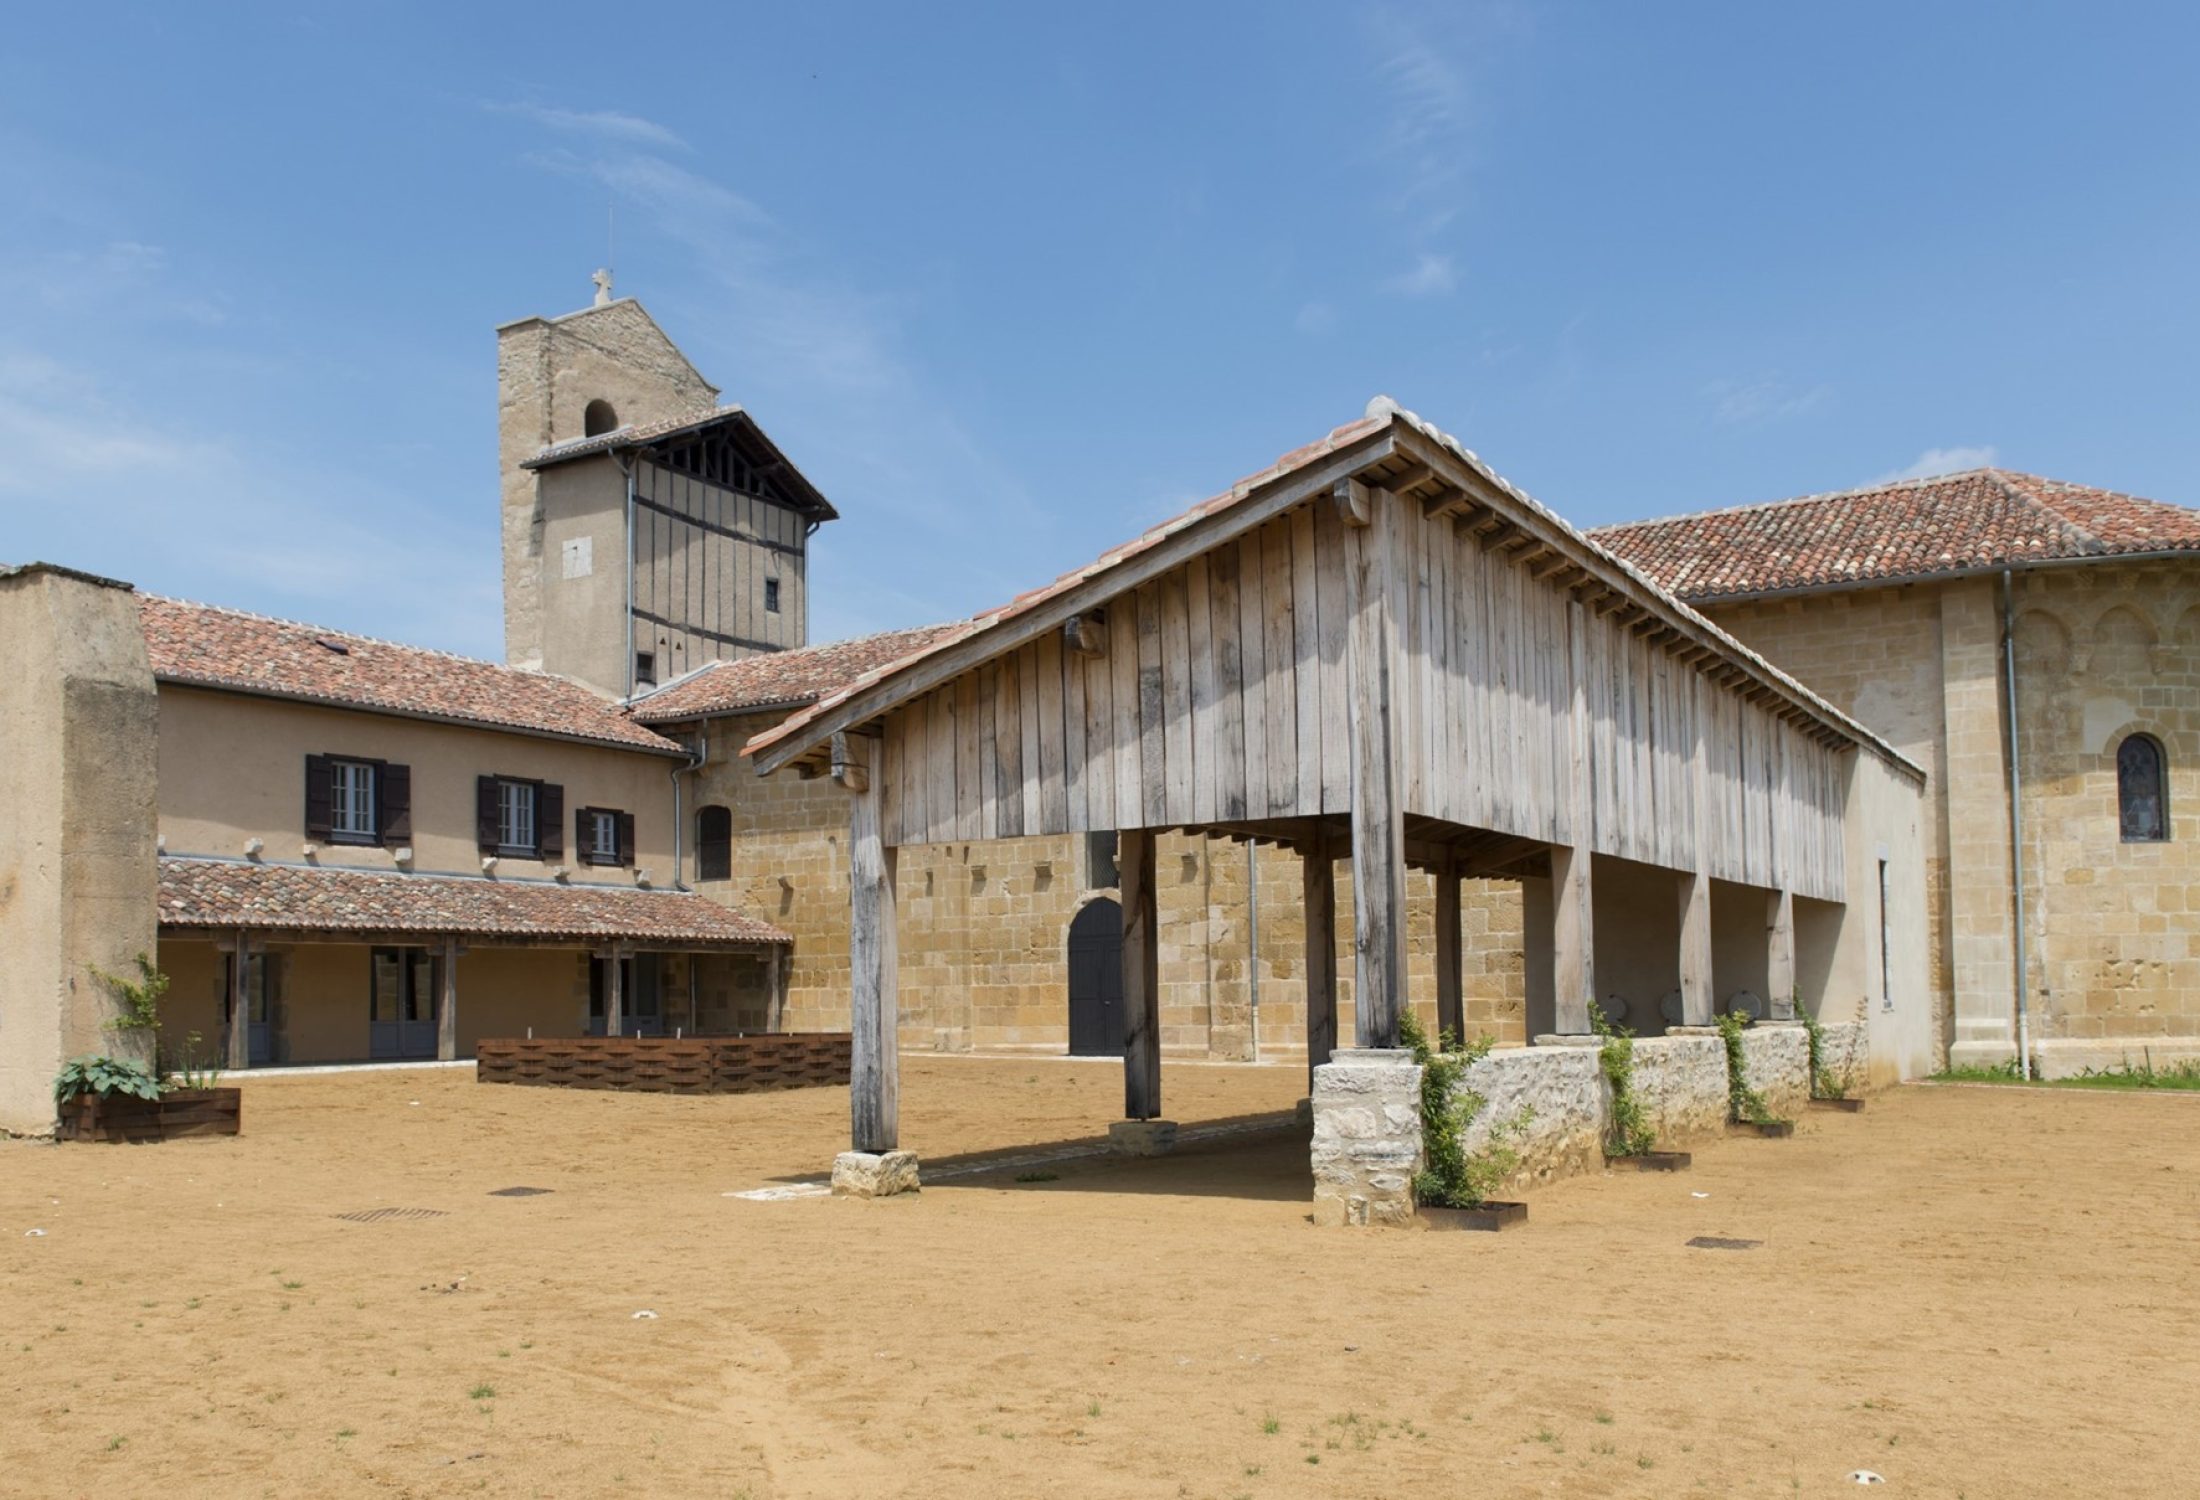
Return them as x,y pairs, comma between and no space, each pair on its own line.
232,769
78,720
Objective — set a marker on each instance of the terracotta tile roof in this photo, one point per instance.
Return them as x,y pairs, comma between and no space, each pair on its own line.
224,648
1381,412
781,679
1956,523
226,894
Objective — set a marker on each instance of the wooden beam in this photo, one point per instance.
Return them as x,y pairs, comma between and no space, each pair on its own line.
1318,869
1352,499
1498,536
1780,996
1451,1013
874,964
1407,479
1141,975
1697,1000
1377,791
1444,503
446,1013
1086,634
240,1004
852,771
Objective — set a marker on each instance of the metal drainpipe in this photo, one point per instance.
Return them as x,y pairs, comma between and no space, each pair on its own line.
2016,817
679,819
1252,937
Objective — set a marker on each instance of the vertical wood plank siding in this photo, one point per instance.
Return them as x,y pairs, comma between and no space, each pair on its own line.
1222,695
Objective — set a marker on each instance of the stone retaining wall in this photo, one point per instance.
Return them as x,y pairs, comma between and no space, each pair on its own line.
1366,1113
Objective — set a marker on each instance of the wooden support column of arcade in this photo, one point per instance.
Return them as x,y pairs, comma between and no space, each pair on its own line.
876,1166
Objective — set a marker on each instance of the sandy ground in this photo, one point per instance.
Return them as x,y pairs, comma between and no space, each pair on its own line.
1980,1292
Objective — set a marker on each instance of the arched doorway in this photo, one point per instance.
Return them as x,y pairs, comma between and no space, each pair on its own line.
1096,981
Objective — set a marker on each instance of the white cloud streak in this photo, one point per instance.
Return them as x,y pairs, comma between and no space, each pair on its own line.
1937,461
598,124
1767,398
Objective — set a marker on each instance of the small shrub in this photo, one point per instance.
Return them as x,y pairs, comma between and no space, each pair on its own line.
1455,1177
1631,1132
102,1075
1744,1103
1823,1085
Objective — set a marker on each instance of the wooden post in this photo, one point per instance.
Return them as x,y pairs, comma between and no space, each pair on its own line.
614,991
874,956
1573,906
240,1005
1573,936
1780,955
446,1015
775,971
1451,1005
1697,999
1141,976
1378,808
1318,867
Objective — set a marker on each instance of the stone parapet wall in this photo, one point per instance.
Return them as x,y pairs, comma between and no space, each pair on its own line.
1681,1081
1564,1090
1776,1063
1846,1055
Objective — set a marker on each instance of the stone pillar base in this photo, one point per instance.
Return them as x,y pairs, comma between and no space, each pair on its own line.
864,1174
1142,1137
1367,1136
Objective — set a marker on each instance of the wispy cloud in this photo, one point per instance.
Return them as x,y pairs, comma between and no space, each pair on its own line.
598,124
1425,128
1767,398
1315,318
1431,275
1935,461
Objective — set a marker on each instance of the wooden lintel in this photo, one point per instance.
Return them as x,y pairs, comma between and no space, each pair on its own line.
1354,501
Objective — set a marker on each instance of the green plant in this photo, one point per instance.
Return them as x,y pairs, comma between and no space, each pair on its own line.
1455,1177
1631,1132
103,1075
1743,1102
1823,1085
190,1073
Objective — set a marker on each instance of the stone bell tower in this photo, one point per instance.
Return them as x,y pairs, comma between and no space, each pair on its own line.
648,530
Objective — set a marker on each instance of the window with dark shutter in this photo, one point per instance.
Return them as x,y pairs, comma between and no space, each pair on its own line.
713,844
626,839
395,805
318,775
488,826
549,821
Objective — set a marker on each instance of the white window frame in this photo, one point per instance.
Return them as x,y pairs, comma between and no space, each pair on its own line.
603,836
352,795
518,805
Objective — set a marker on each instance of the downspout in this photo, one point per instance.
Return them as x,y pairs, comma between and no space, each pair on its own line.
699,757
2016,816
1252,937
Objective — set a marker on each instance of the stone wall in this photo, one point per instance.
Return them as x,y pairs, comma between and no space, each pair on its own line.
1776,1063
78,721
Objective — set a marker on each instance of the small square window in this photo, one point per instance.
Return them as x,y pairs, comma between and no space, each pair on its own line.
516,818
771,595
351,802
1101,873
645,668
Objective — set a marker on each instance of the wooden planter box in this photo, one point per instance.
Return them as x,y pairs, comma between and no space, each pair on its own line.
1775,1130
1651,1161
669,1065
1492,1215
1846,1106
178,1113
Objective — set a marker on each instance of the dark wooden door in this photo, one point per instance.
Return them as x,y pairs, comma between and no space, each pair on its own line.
1096,981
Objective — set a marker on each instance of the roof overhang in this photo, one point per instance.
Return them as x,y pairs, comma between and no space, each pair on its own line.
756,447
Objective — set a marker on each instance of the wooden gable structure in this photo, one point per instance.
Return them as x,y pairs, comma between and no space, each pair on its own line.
1375,645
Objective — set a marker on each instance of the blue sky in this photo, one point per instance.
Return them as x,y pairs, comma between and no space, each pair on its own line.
1013,282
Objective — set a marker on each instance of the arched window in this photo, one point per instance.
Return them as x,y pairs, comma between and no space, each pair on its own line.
2142,790
598,418
713,844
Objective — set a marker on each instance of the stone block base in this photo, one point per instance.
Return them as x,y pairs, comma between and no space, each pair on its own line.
1142,1137
1367,1137
863,1174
